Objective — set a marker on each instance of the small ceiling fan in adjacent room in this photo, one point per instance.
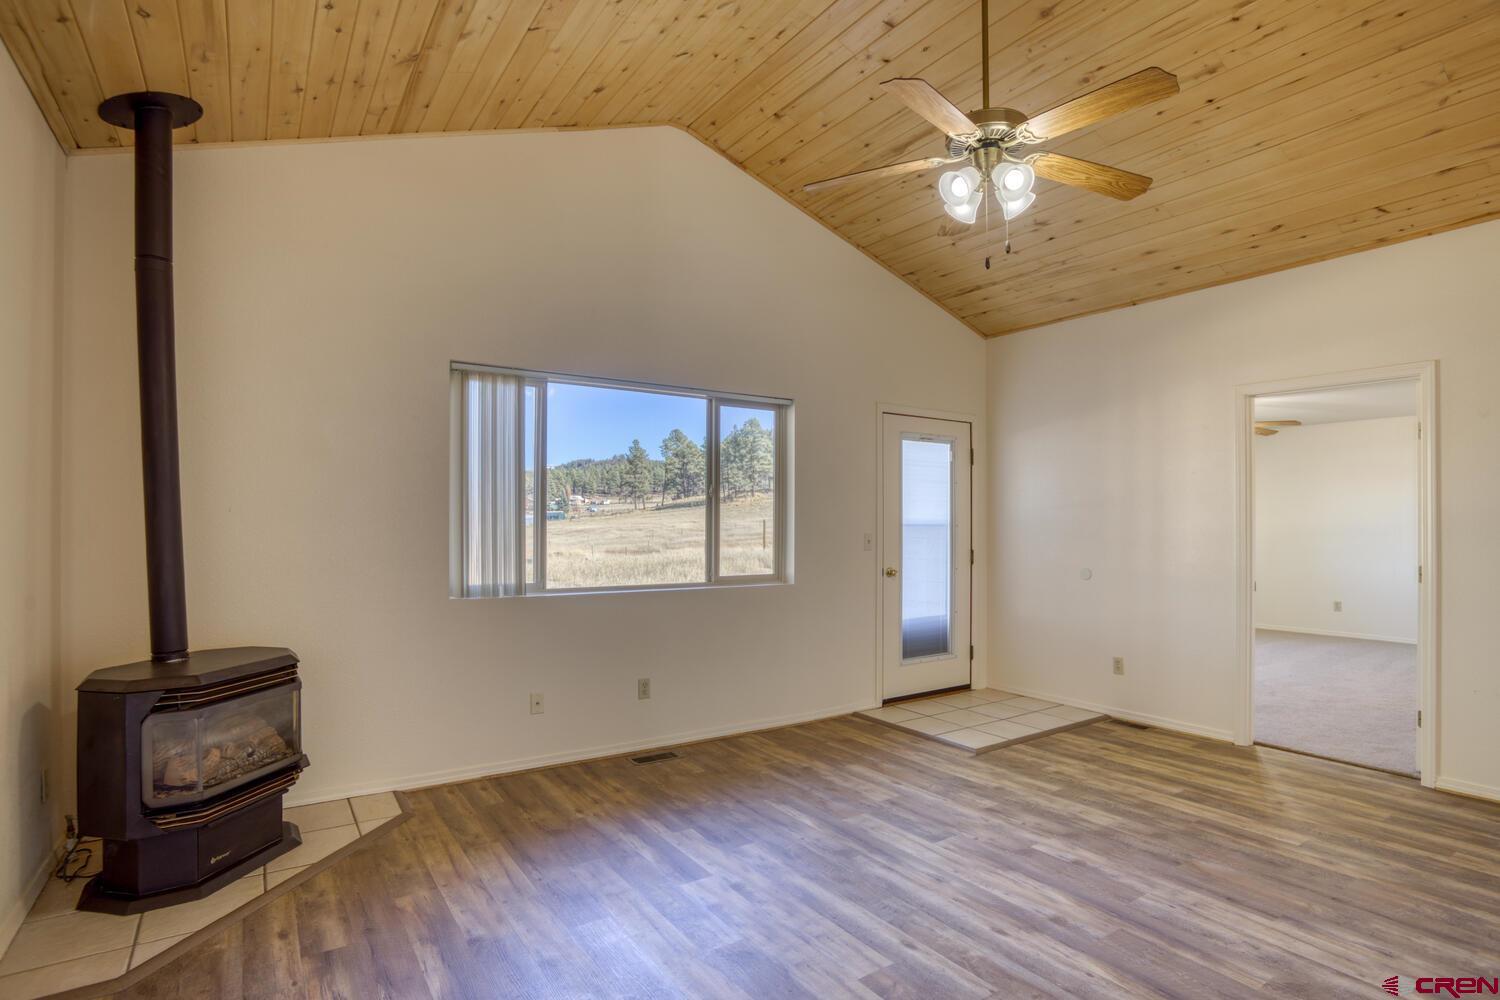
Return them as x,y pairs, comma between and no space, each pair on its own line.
1265,428
990,142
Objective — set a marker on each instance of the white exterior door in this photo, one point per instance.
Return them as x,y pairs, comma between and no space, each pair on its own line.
926,554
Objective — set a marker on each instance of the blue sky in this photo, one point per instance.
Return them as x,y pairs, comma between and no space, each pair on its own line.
585,421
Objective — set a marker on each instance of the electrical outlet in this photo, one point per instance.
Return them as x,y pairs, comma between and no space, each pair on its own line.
1338,605
1119,664
869,542
643,689
537,708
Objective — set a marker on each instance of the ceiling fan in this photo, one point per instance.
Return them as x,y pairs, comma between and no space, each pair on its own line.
1265,428
991,141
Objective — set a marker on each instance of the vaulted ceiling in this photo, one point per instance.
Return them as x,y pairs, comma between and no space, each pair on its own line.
1304,129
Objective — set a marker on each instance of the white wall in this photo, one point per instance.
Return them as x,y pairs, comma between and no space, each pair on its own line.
1112,446
31,165
322,290
1336,521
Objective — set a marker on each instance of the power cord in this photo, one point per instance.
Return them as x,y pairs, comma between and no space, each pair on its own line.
75,858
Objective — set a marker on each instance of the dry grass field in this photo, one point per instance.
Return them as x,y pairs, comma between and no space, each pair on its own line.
623,547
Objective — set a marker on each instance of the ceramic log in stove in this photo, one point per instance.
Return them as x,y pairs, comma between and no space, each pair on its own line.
183,759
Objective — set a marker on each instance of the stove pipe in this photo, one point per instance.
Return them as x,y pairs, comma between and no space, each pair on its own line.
153,116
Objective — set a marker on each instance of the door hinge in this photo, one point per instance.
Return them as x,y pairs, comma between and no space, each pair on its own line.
971,652
971,456
971,557
1419,574
1419,430
1419,718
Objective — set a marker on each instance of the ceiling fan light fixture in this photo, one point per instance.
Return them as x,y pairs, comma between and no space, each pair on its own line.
1013,182
958,187
1015,208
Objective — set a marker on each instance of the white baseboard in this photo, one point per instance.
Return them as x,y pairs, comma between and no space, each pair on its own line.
1471,788
1123,714
1335,635
11,922
486,770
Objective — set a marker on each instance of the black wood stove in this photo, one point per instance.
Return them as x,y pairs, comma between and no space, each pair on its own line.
182,767
183,759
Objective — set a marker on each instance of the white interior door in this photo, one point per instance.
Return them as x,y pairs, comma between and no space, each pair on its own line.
926,554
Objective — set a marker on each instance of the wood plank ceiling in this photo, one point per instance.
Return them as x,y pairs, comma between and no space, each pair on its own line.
1305,128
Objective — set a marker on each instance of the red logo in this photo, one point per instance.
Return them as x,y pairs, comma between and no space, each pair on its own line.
1441,986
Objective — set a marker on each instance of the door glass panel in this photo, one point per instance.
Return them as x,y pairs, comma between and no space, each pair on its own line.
926,548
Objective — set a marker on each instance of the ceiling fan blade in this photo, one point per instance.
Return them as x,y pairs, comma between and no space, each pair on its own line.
1278,423
889,170
1265,431
924,99
1123,95
1095,177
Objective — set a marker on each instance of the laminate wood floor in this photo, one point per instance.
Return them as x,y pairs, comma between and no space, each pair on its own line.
845,858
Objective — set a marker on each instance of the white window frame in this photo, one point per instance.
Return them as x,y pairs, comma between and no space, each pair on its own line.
715,400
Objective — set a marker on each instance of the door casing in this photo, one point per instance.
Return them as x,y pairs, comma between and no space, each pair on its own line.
1425,375
882,410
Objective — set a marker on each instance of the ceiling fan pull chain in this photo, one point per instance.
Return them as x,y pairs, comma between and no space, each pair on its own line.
987,239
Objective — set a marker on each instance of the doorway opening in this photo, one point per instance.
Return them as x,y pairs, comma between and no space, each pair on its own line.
1336,529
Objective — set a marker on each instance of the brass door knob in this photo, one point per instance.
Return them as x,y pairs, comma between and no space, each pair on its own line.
890,571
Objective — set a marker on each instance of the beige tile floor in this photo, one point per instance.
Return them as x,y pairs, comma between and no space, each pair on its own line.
983,719
61,948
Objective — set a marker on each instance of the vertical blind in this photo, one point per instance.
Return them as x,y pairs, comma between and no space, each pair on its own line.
488,424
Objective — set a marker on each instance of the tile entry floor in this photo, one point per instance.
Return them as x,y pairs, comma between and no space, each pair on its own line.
981,720
61,948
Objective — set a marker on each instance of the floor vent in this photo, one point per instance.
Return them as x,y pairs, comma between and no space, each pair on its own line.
652,758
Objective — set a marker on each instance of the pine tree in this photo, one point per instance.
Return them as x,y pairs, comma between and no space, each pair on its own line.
760,456
731,464
559,486
637,476
694,465
683,466
747,460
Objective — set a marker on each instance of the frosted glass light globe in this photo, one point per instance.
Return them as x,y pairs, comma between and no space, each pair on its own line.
965,211
1015,208
957,186
1013,181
